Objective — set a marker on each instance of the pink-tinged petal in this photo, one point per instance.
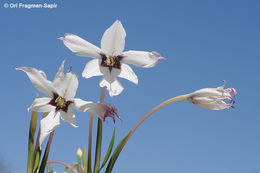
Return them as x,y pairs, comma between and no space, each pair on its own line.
68,86
80,46
43,74
92,68
141,58
59,75
38,81
42,105
113,40
69,117
48,124
128,73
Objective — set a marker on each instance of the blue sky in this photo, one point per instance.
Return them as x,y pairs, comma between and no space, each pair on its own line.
204,41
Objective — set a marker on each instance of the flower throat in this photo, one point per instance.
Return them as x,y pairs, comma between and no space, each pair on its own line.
111,62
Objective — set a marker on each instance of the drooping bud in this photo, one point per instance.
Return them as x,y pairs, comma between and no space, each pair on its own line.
213,98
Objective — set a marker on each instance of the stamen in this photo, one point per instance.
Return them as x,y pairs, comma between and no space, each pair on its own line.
61,102
111,62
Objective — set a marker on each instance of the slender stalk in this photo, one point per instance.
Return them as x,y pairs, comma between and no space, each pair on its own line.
174,99
99,136
46,153
33,124
90,143
36,148
89,170
126,138
60,162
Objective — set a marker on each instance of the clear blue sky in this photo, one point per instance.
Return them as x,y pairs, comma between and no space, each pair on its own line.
204,41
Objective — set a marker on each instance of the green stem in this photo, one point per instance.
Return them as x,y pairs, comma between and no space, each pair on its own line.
33,124
89,170
46,153
99,137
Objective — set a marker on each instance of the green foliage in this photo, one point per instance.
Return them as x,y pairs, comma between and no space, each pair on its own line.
109,150
116,154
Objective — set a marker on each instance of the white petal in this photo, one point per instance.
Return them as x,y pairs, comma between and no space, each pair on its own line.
85,106
48,124
207,92
69,117
43,74
81,105
109,80
128,73
114,88
214,106
38,81
113,40
141,58
92,68
80,46
68,86
42,105
59,75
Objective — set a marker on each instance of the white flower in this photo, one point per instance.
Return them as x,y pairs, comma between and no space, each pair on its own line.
213,98
59,99
110,61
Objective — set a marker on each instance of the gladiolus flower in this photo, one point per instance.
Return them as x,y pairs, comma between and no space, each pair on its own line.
213,98
110,61
59,99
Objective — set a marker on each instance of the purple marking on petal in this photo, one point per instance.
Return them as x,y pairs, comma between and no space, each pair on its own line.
70,70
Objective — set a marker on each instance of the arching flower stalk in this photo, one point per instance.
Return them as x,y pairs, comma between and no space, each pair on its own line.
209,98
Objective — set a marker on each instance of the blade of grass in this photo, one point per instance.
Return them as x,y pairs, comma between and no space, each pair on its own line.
116,154
33,124
98,146
84,155
37,151
37,160
89,170
109,150
46,153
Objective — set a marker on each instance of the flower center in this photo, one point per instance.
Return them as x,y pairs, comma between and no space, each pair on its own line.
60,102
111,62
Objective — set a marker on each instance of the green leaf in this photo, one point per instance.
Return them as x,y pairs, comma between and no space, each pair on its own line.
46,153
98,146
79,164
37,160
84,155
33,124
116,154
109,150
